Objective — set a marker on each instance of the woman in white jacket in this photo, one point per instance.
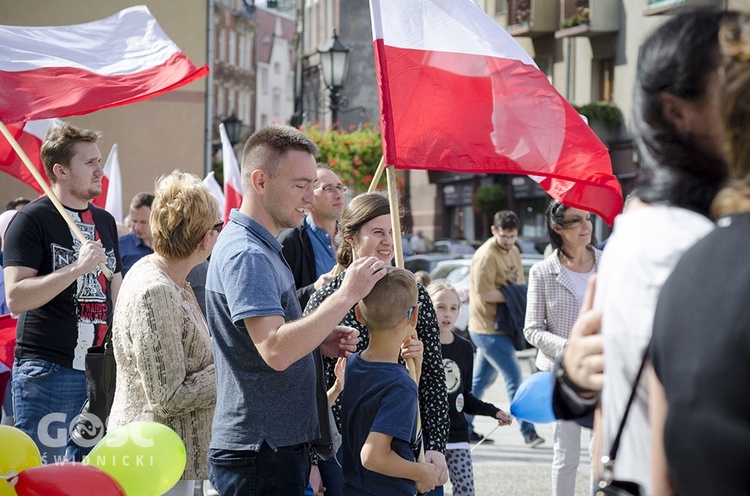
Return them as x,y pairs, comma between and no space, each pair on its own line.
555,295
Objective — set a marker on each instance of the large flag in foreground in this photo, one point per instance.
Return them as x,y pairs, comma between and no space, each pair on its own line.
458,93
30,136
58,71
232,179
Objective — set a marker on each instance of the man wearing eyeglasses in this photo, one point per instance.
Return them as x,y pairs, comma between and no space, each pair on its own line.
309,248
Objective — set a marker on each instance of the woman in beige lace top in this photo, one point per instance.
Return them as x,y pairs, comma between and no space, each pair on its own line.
165,366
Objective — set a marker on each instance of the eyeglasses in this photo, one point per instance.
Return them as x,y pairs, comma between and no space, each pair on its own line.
411,311
329,189
218,226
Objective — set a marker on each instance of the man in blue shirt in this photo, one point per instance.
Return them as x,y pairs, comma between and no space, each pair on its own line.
309,248
137,244
265,414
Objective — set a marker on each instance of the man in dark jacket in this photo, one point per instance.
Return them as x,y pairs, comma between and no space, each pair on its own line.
309,248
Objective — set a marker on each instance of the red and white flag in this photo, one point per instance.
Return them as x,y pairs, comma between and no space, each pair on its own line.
57,71
111,197
458,93
30,136
232,180
215,188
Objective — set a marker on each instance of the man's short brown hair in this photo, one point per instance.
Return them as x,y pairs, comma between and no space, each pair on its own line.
390,299
266,146
58,146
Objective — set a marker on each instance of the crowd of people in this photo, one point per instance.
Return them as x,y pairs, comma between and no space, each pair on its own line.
299,361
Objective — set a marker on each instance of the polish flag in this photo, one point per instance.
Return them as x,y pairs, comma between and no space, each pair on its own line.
232,181
57,71
30,136
458,93
111,197
215,188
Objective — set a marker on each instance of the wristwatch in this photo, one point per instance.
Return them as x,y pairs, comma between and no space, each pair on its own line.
563,379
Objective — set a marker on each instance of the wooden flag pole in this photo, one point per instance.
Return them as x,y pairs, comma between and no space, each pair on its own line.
377,176
390,175
50,194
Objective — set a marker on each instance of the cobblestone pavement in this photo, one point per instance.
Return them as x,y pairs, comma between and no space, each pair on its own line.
507,467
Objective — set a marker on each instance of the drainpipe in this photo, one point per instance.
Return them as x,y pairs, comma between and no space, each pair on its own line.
209,85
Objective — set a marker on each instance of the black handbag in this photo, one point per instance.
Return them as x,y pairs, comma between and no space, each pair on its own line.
607,485
91,424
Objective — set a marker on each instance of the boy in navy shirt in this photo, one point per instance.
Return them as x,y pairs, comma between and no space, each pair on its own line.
379,402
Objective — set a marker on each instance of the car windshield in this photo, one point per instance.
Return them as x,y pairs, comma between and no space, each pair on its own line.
456,275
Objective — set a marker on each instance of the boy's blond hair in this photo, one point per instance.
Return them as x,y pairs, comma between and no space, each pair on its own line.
390,299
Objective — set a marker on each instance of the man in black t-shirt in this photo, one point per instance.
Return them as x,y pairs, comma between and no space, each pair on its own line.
53,283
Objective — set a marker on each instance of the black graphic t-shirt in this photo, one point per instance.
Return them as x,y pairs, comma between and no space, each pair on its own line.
63,329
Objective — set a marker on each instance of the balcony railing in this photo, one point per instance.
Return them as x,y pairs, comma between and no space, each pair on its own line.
588,18
532,17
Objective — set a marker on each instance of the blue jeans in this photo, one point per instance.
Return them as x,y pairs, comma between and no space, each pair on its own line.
496,353
46,399
331,473
281,471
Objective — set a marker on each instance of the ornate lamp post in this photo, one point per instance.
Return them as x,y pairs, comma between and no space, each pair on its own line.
334,62
233,126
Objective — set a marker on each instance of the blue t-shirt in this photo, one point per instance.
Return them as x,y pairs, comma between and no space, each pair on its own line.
132,249
248,277
378,397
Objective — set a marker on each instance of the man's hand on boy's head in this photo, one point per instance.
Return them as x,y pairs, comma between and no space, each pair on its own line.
361,276
342,342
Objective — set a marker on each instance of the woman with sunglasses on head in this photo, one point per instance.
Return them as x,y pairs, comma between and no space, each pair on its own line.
555,295
165,365
365,231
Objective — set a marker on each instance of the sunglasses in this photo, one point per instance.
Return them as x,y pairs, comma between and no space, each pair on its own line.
218,226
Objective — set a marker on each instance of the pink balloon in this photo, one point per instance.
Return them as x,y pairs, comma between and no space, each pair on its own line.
66,479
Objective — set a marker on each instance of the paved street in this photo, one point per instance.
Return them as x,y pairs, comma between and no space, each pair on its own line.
508,467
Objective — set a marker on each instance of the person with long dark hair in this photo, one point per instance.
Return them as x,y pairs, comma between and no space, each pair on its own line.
679,140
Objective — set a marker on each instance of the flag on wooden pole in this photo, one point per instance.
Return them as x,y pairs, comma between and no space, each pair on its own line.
458,93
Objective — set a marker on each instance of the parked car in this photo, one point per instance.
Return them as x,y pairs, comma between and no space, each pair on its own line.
427,261
455,246
456,273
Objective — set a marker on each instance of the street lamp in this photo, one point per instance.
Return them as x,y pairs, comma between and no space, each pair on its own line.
334,62
233,126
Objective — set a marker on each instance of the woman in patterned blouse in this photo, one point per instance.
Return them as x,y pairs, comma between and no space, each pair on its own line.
165,365
364,231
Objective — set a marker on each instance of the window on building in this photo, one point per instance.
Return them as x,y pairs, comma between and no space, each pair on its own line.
220,102
606,76
263,120
546,65
277,103
222,45
276,68
500,7
233,48
264,80
290,87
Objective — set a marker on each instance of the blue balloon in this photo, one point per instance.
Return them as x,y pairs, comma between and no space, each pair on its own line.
533,400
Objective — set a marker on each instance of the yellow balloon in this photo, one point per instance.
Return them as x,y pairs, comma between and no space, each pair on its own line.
18,453
146,458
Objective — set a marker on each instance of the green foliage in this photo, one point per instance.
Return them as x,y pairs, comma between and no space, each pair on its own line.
490,198
352,155
580,17
606,112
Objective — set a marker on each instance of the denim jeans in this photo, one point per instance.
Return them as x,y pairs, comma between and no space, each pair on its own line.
331,473
496,353
281,471
46,399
